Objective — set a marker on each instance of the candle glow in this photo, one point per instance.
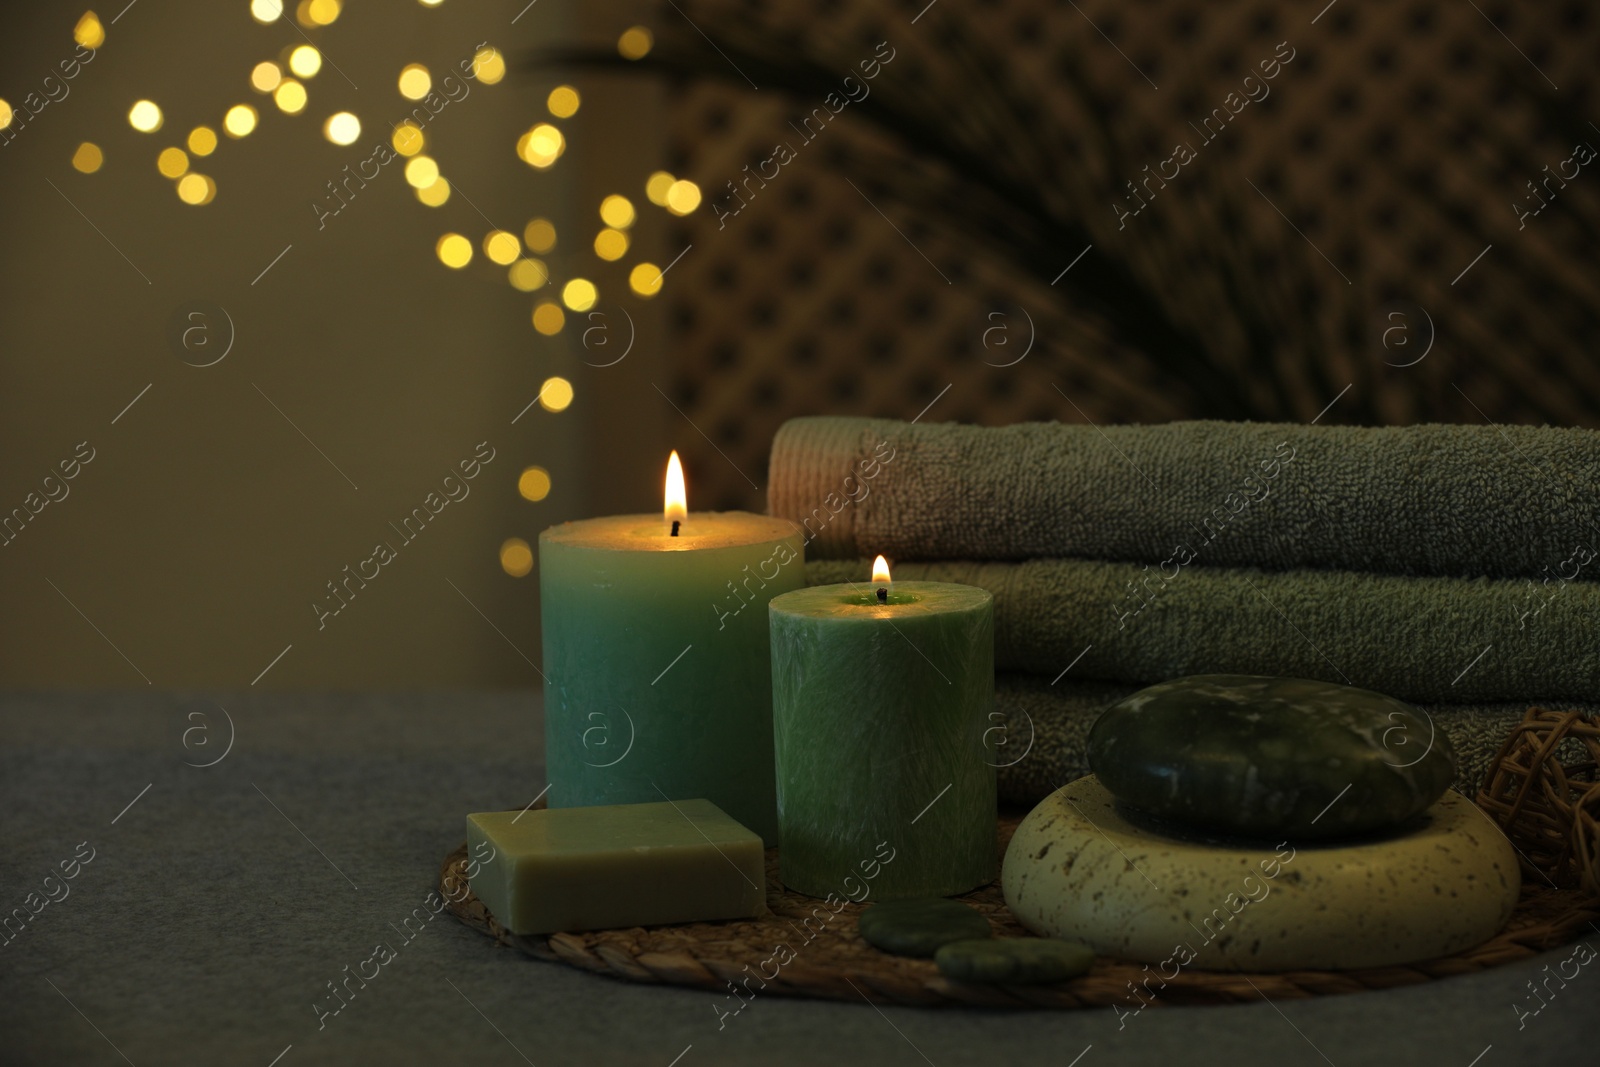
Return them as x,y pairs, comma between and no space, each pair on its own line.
676,508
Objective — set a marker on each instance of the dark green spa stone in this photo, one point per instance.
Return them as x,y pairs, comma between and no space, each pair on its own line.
1014,960
919,927
1271,757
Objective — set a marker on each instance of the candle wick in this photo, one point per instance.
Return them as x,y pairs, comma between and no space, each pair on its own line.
675,527
883,595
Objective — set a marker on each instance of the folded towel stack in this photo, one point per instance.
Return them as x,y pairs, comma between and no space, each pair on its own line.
1451,566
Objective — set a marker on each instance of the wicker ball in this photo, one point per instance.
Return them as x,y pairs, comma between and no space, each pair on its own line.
1550,809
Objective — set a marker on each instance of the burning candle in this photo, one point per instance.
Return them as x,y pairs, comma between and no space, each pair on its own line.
881,697
657,669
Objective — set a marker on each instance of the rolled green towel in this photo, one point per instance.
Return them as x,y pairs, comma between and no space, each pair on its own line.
1420,639
1449,501
1042,732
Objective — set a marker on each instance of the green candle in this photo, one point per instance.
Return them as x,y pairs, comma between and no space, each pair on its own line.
880,697
656,658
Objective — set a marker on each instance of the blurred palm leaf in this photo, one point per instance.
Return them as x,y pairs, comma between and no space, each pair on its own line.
1035,189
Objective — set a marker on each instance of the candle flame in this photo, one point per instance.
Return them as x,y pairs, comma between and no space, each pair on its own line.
676,508
880,571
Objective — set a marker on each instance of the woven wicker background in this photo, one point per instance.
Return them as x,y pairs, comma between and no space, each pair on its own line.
1395,141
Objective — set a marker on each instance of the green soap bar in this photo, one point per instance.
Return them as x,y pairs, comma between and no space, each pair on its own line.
1014,960
1271,758
570,869
919,927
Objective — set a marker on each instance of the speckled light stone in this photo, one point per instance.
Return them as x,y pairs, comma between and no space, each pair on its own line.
1076,869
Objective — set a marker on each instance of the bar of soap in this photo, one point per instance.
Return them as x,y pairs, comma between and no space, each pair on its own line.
598,868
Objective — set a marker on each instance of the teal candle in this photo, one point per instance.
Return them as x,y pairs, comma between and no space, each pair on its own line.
657,660
881,697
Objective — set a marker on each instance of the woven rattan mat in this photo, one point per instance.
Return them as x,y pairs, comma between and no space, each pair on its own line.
836,964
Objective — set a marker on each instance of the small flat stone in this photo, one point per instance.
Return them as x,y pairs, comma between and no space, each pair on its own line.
919,927
1014,960
1271,757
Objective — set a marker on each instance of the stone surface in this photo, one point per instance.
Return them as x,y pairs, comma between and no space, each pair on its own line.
919,927
1014,960
1271,757
1077,868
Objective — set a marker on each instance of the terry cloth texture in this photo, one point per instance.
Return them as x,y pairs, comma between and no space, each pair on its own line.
1050,723
1420,639
1446,501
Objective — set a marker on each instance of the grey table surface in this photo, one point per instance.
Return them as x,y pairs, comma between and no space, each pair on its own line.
221,900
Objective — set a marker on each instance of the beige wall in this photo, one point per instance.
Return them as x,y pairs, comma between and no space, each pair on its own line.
198,537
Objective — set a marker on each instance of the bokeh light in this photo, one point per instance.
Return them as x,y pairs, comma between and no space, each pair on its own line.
563,101
342,128
436,194
305,61
290,96
541,146
202,140
579,294
88,158
683,196
548,319
634,43
240,120
415,82
88,32
610,245
265,11
555,394
539,236
196,189
534,483
408,139
145,117
528,274
645,279
516,558
617,212
6,114
172,162
265,76
502,247
489,65
656,186
421,172
454,250
318,12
